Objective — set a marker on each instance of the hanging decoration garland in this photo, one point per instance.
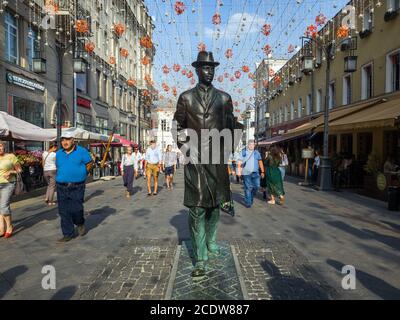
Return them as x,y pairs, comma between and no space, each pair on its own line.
267,49
201,46
124,52
220,79
320,20
245,69
290,48
229,53
112,60
179,7
266,29
176,67
131,82
145,60
343,32
119,29
216,19
165,69
89,47
146,42
81,26
311,31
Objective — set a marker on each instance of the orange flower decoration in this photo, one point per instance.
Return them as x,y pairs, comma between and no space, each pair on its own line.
124,52
229,53
266,29
311,31
238,74
343,32
81,26
179,7
119,29
131,82
165,69
89,47
201,47
216,19
112,60
176,67
245,69
145,60
146,42
267,49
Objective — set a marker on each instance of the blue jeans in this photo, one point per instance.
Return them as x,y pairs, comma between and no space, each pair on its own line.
251,184
283,172
70,207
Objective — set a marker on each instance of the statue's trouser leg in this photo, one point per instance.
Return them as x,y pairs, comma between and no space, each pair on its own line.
197,227
212,218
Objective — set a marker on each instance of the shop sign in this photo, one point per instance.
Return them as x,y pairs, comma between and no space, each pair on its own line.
23,82
83,102
308,153
381,182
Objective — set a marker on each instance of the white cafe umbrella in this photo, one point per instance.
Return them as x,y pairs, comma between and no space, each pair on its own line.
80,134
12,128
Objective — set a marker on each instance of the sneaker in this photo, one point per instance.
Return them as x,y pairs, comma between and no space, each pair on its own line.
64,239
81,230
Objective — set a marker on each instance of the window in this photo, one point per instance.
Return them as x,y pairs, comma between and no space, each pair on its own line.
332,95
98,35
292,110
105,38
11,38
393,5
32,47
102,125
319,100
163,125
104,91
393,72
299,107
98,79
81,82
346,89
368,21
366,82
123,129
286,113
309,104
83,121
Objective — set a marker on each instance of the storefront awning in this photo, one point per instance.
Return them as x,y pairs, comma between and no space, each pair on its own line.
12,128
380,115
334,114
79,134
124,142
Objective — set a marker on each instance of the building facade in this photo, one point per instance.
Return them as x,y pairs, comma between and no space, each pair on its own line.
297,97
108,95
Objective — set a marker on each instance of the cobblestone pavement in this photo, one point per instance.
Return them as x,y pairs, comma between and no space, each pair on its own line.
140,269
292,251
273,269
221,283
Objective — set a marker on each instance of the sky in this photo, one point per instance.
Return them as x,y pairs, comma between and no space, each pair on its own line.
177,37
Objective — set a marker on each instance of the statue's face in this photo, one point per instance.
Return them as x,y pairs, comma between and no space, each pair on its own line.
206,74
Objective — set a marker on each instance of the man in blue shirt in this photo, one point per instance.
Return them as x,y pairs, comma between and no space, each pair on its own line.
249,165
73,163
153,160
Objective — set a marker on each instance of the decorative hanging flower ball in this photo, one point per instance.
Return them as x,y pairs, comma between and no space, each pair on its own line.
89,47
176,67
146,42
165,69
179,7
131,82
81,26
229,53
238,74
147,78
343,32
192,81
266,29
112,60
119,29
245,69
311,31
220,79
189,74
216,19
145,93
233,79
201,46
184,72
267,49
290,48
174,91
320,19
165,87
226,75
145,60
124,52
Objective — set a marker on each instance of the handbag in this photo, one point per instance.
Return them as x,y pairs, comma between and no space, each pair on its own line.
19,185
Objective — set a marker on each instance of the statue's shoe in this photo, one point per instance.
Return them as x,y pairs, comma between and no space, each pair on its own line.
198,272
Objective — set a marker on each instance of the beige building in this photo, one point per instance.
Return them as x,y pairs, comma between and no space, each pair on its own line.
100,99
364,103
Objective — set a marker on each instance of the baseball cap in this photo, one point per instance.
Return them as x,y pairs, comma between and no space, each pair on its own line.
67,134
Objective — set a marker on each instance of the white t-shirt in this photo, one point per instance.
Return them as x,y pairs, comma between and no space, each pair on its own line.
317,161
49,161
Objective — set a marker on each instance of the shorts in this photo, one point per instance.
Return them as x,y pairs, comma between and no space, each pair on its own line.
169,171
152,170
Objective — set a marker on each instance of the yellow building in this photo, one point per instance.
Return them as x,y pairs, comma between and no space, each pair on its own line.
363,101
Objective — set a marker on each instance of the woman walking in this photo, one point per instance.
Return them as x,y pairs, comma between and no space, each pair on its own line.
169,166
49,172
284,163
9,168
274,177
127,170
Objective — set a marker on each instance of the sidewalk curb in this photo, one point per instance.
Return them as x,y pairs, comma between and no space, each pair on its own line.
239,274
168,293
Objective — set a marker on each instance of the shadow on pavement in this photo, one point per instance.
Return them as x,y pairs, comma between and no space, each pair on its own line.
30,221
10,276
65,293
96,217
283,287
94,194
378,286
180,222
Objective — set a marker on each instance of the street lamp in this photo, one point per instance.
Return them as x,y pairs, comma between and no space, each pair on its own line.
39,65
325,167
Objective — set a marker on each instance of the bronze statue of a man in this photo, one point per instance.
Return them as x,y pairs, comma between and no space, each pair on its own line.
206,185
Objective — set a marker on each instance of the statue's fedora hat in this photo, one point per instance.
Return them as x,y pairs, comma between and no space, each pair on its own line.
205,58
